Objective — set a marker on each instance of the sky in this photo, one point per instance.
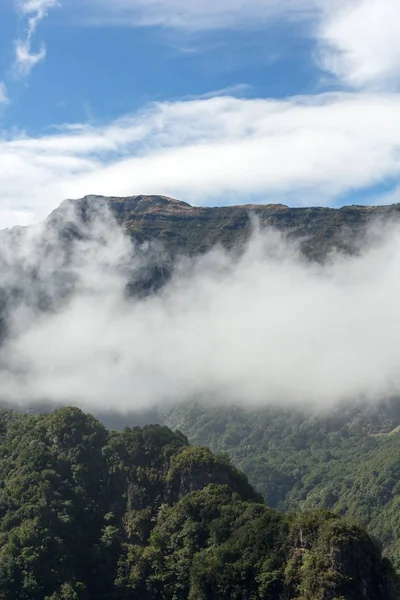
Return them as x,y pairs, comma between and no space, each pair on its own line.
215,103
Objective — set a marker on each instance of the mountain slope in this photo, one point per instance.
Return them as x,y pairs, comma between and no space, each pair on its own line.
146,514
35,262
182,228
90,514
347,460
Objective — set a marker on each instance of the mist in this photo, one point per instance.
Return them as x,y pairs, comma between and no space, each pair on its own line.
259,327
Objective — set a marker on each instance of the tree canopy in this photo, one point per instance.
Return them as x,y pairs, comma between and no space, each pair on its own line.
91,514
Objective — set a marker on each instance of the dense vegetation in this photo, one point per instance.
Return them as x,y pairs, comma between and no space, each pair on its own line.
87,513
347,461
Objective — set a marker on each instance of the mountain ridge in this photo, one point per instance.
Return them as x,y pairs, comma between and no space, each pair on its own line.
185,229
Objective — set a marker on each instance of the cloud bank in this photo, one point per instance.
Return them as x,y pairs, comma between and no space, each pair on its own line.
302,151
257,329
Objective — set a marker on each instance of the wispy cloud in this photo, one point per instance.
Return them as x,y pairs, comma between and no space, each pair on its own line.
3,93
195,14
25,57
304,150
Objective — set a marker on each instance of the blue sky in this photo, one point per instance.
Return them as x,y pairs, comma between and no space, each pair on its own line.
102,72
293,101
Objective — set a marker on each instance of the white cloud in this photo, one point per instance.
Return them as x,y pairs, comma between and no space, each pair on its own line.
305,150
3,93
360,42
35,11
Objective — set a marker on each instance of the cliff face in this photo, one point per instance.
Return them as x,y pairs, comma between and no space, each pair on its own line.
164,228
182,228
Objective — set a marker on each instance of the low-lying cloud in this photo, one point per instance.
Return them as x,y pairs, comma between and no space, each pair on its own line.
260,328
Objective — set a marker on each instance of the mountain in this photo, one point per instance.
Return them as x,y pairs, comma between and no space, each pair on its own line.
35,262
142,514
346,460
184,229
89,514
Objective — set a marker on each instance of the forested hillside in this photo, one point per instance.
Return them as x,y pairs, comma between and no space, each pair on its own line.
91,514
347,460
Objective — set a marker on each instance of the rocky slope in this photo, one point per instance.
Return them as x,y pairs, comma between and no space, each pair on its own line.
35,262
182,228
